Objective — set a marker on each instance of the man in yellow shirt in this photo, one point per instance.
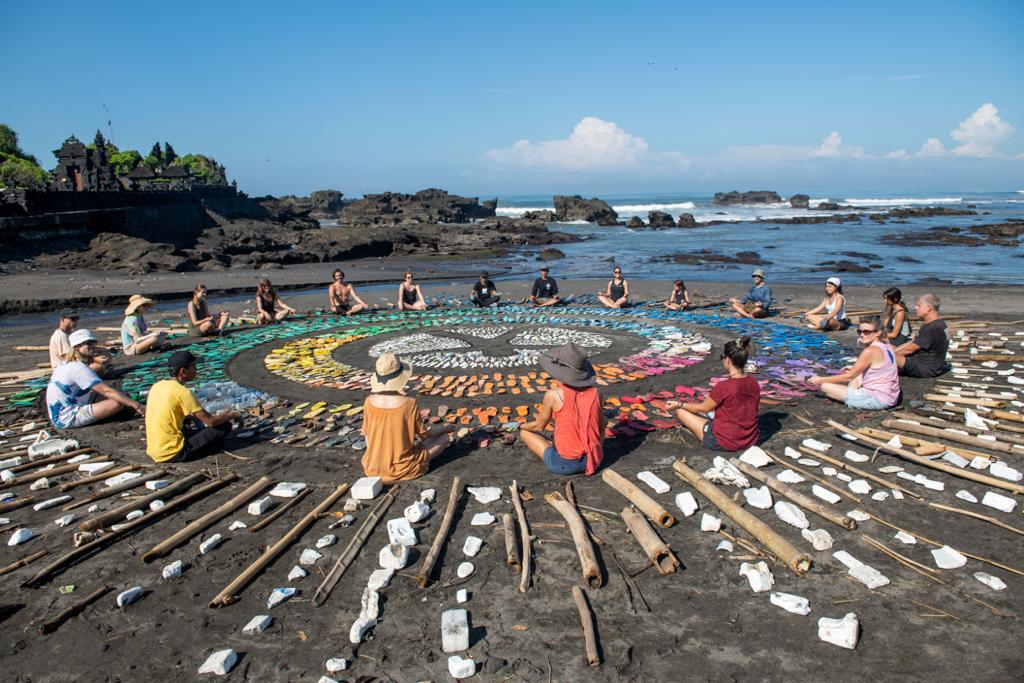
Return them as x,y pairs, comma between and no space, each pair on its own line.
170,403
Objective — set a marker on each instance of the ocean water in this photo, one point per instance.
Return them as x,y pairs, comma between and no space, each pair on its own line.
793,250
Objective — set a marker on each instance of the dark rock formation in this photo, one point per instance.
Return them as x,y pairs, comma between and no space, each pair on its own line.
749,197
576,208
799,201
426,206
998,234
926,212
705,256
660,219
327,202
635,222
319,204
608,221
550,254
686,220
113,251
543,215
491,204
842,266
828,206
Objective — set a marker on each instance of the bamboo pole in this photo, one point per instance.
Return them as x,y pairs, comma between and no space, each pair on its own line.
985,402
161,549
442,533
85,481
587,622
965,439
797,497
977,515
114,490
922,447
23,562
118,513
16,503
580,538
351,551
524,534
814,477
935,465
1007,415
55,622
641,500
798,562
881,481
511,554
273,516
1000,431
231,591
660,555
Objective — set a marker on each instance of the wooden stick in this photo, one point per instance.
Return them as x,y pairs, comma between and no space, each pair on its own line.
935,465
660,555
811,475
231,592
977,515
351,551
55,622
102,476
117,514
524,537
511,552
580,538
966,439
25,561
881,481
33,464
641,500
1000,431
31,348
442,533
797,497
922,447
797,561
16,503
273,516
587,622
1007,415
903,559
161,549
986,402
114,490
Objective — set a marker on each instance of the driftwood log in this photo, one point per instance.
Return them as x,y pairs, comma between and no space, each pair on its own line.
508,526
524,535
587,622
55,622
660,555
442,534
650,507
580,538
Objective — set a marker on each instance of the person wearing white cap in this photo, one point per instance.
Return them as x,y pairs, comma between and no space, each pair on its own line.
135,337
71,395
830,314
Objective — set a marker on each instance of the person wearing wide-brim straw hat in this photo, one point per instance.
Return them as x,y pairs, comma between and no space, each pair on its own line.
575,406
399,446
135,336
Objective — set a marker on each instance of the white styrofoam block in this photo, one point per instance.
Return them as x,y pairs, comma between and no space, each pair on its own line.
367,488
454,630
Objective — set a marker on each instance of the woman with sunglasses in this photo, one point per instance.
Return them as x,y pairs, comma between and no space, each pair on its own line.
830,314
873,382
410,296
616,294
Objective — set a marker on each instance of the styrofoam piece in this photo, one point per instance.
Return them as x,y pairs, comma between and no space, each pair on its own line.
686,503
326,541
367,488
758,575
10,462
854,456
484,494
843,476
890,469
125,598
380,578
369,604
297,573
454,630
287,489
7,475
428,495
998,501
472,546
791,453
880,495
326,679
710,522
993,582
895,441
972,419
52,502
1004,471
155,505
979,462
258,624
40,484
279,595
48,447
869,576
173,570
335,664
92,468
482,519
258,507
858,515
955,460
20,536
236,525
825,494
461,596
816,445
966,495
794,604
842,632
351,505
460,668
394,556
722,472
829,471
134,514
400,531
791,514
464,570
725,545
809,462
657,484
760,497
859,486
755,457
788,476
904,537
309,557
157,484
209,544
65,520
122,478
948,558
417,511
219,663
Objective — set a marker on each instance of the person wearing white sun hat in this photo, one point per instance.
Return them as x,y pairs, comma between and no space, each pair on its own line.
830,314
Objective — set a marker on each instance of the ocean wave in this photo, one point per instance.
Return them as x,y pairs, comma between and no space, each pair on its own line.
518,211
902,201
645,208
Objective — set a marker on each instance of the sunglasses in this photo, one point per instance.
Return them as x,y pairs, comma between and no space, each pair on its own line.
863,331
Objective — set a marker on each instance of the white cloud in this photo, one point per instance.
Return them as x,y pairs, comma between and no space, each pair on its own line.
896,154
932,147
981,132
593,145
832,146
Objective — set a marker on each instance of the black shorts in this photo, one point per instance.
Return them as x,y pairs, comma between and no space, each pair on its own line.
709,441
912,367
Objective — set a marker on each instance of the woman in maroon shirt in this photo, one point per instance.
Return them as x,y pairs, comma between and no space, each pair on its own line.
735,401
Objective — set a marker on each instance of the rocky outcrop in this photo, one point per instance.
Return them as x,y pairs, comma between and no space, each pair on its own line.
319,204
799,201
113,251
542,215
635,222
923,212
686,220
660,219
576,208
749,197
705,256
828,206
998,234
426,206
550,254
326,202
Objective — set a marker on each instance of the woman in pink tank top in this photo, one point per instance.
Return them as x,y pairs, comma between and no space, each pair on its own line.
873,382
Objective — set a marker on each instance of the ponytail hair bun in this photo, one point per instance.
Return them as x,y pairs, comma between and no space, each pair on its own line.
738,351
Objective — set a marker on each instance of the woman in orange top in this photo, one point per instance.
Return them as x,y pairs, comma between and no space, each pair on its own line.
398,445
576,407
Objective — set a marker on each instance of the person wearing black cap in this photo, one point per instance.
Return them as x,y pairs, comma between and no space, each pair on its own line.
60,346
545,290
484,292
171,412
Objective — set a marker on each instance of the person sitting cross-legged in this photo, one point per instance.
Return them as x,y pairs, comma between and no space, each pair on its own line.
872,383
925,354
172,414
484,292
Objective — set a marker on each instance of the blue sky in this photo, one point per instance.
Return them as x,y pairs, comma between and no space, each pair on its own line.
531,97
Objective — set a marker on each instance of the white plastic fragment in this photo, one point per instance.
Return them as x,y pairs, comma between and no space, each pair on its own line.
854,456
7,475
258,507
96,467
710,522
972,419
794,604
10,462
40,484
979,463
1004,471
325,541
417,511
842,632
210,543
791,453
722,472
64,520
472,546
461,596
464,570
380,578
173,570
134,514
948,558
369,604
904,537
236,525
119,479
898,495
297,573
890,469
157,484
725,545
820,539
482,519
788,476
309,557
279,595
869,576
966,495
125,598
428,495
895,441
993,582
155,505
401,532
335,664
454,630
686,503
825,494
484,494
367,488
858,515
880,495
816,445
758,575
809,462
955,460
829,471
50,503
755,457
287,489
859,486
20,536
258,624
760,498
219,663
654,481
998,501
393,556
460,668
791,514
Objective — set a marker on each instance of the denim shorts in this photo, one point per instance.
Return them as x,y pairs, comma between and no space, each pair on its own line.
863,400
559,465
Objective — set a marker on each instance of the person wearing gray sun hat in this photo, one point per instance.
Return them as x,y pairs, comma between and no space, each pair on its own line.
575,406
758,301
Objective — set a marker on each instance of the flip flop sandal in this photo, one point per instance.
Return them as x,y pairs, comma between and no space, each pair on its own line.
664,424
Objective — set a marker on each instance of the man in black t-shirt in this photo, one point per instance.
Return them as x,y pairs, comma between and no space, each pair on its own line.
925,354
484,292
545,290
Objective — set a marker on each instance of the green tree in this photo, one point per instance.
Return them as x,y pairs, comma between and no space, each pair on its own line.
169,155
124,162
156,154
8,140
16,171
202,167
